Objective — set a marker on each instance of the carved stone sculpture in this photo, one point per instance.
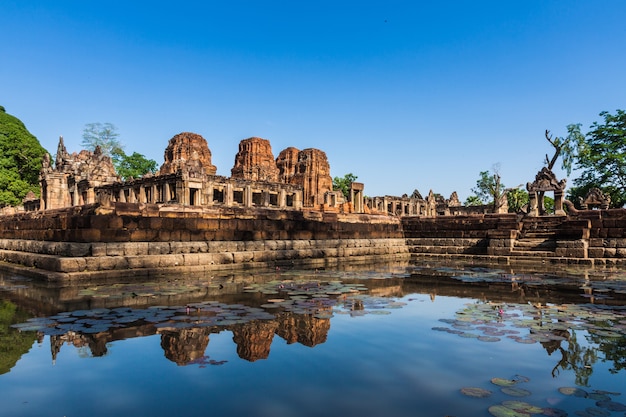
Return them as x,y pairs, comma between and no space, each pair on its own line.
596,198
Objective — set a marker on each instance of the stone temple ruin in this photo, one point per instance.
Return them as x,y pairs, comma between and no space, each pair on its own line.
296,179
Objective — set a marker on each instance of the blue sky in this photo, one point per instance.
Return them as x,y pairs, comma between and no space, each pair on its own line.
404,94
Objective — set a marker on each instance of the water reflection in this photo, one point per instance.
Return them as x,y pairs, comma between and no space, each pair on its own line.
577,317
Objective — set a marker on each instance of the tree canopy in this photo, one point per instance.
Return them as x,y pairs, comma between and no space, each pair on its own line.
343,183
106,136
20,160
488,190
103,135
135,165
602,158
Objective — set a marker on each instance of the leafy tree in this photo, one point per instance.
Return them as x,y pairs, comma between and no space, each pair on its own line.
343,183
105,136
517,199
489,189
473,200
20,160
135,165
602,157
566,148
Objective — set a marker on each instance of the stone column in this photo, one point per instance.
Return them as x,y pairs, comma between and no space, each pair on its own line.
558,203
533,208
247,196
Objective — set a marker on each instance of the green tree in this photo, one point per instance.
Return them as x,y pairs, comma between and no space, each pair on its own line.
473,200
602,157
517,199
105,136
489,189
20,160
566,148
135,165
343,183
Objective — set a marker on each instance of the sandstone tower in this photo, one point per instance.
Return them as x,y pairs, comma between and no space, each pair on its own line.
313,174
255,161
188,152
286,163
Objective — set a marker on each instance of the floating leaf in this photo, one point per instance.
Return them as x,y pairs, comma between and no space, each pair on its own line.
476,392
522,407
596,412
502,411
611,405
576,392
554,412
515,392
503,382
488,339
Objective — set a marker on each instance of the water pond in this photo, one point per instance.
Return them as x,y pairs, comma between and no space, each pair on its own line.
421,339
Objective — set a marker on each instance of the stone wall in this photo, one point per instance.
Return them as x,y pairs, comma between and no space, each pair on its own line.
150,239
589,237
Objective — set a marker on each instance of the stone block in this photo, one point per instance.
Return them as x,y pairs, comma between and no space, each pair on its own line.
115,249
98,249
170,261
191,259
143,235
595,252
243,257
158,248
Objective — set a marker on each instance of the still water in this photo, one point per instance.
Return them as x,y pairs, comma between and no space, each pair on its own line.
382,340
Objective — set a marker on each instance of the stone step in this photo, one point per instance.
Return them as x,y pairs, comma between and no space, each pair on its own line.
532,253
535,244
539,234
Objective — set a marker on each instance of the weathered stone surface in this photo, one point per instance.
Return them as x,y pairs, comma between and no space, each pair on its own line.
188,152
312,173
255,161
286,163
73,177
254,339
304,329
185,345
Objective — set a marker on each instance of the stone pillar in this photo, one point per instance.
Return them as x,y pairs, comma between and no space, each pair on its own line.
533,207
247,196
228,195
167,195
558,203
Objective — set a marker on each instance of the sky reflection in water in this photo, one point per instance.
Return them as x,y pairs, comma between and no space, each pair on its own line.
400,341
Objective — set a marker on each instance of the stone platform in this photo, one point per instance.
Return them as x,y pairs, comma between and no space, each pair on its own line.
145,240
133,239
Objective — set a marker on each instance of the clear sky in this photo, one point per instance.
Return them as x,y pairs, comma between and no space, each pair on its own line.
404,94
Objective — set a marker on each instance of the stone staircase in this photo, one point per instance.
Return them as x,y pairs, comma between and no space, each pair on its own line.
537,237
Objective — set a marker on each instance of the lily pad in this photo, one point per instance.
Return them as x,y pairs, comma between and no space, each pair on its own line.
515,392
503,382
502,411
522,407
612,405
476,392
576,392
554,412
597,412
